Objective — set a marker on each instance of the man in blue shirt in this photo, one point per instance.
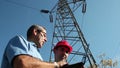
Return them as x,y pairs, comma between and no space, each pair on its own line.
22,53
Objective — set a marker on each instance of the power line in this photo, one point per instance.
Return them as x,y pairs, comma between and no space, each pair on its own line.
19,4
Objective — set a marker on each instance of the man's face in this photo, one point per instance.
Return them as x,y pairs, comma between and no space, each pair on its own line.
41,38
61,53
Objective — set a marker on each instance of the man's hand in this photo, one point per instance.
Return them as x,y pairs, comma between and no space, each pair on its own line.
62,63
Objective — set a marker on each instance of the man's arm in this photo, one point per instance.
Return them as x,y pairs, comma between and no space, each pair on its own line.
25,61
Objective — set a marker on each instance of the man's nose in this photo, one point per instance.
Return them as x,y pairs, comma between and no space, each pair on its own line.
46,39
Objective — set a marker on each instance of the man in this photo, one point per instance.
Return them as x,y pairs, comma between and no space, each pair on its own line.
22,53
61,53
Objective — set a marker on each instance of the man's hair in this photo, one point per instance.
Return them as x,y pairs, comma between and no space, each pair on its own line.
34,26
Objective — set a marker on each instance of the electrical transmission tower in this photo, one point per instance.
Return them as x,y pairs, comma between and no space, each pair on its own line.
66,28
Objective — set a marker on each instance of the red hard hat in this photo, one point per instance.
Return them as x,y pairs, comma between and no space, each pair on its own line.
63,43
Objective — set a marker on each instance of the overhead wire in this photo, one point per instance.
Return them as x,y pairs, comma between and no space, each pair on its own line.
19,4
16,3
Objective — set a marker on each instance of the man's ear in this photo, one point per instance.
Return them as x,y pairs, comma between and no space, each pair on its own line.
35,32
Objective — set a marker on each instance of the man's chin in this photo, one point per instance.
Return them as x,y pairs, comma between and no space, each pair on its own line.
39,46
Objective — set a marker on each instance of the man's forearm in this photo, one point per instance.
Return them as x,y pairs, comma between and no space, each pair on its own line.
24,61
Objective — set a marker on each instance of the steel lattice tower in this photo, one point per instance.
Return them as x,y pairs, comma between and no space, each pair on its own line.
66,28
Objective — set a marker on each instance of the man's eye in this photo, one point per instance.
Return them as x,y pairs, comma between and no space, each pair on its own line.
62,49
67,51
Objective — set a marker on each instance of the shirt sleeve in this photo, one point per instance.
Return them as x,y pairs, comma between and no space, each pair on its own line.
16,46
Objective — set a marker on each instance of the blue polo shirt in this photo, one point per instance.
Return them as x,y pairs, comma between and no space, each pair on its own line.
17,46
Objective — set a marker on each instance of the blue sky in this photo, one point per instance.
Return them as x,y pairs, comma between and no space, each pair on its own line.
100,25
